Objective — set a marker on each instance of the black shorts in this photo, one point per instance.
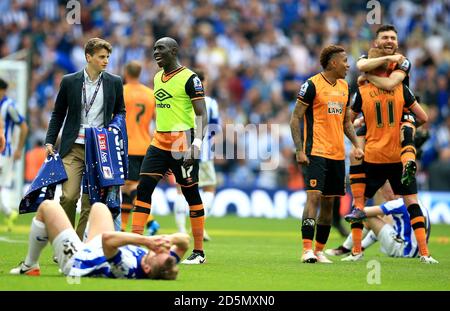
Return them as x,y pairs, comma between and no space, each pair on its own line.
377,174
134,167
325,175
158,161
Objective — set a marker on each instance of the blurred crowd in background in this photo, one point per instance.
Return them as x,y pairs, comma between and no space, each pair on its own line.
256,53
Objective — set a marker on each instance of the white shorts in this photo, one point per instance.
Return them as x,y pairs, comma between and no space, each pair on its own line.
6,171
65,245
89,251
389,243
206,174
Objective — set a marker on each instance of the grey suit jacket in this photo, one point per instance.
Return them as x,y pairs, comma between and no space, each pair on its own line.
68,107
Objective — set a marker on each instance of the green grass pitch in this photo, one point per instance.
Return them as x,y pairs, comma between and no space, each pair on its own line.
246,254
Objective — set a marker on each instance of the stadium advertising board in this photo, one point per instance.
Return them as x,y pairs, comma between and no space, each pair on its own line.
281,203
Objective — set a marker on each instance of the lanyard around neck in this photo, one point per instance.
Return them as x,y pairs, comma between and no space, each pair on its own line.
87,106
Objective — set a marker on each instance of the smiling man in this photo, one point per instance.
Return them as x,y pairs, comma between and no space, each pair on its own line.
90,97
322,107
181,118
398,66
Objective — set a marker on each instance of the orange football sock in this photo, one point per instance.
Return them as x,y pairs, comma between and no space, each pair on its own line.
307,244
418,224
197,217
319,247
140,215
408,153
358,185
357,238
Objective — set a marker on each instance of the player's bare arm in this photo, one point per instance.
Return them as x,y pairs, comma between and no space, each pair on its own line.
368,64
111,242
22,139
349,131
354,116
421,115
373,211
201,120
201,117
387,83
296,119
179,242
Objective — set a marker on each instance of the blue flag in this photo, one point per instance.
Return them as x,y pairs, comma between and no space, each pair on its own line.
43,187
106,160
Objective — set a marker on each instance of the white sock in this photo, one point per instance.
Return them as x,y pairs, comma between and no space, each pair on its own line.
180,210
348,243
208,200
369,239
38,239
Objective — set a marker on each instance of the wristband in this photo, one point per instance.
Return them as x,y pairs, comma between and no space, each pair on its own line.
197,142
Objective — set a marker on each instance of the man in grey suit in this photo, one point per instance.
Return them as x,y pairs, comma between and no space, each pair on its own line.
88,98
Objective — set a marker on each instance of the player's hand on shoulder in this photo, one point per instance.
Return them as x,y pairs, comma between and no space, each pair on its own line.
362,79
396,58
301,157
358,122
402,59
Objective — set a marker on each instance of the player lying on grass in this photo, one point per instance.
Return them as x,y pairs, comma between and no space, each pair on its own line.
388,223
105,253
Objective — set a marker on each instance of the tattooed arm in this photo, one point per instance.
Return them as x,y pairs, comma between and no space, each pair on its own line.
296,118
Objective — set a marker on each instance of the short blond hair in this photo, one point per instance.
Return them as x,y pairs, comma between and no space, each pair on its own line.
375,52
168,270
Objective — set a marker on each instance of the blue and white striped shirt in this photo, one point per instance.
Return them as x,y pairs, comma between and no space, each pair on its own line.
402,224
11,117
213,127
91,261
126,264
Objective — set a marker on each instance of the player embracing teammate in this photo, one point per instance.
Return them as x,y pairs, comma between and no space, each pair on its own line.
391,114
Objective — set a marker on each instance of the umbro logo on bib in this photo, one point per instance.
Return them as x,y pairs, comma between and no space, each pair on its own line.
162,95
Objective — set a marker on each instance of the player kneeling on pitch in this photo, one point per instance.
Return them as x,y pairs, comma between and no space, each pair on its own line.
105,253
